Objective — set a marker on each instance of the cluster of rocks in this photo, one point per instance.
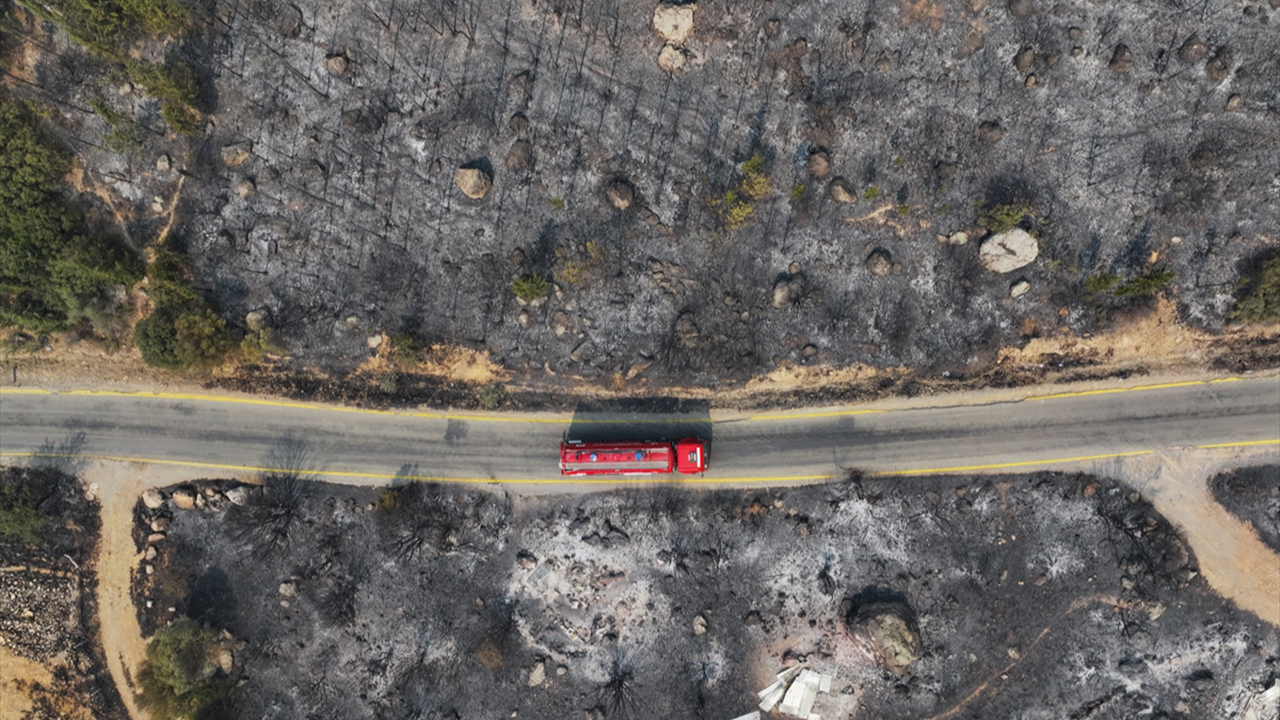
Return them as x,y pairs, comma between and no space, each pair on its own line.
156,510
674,24
39,613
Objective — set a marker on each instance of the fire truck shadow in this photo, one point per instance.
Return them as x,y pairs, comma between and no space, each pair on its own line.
641,419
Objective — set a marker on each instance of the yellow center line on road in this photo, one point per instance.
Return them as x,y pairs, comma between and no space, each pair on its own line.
558,419
604,479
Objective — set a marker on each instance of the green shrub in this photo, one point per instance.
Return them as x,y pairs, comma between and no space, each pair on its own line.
50,265
904,210
20,519
557,203
491,395
184,119
1100,283
755,183
1261,301
179,676
178,338
167,283
1149,283
871,193
531,287
1003,218
798,191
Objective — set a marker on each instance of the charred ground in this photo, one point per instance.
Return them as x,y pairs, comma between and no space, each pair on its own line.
48,605
1252,494
1138,143
1043,593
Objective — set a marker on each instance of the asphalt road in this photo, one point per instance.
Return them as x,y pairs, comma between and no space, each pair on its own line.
230,435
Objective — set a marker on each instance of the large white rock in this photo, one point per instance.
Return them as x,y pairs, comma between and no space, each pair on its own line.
674,22
1008,251
153,499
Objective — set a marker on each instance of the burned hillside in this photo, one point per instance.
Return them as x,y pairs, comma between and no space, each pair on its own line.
977,596
567,187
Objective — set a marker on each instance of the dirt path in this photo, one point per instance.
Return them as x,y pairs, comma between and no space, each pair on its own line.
1233,560
122,641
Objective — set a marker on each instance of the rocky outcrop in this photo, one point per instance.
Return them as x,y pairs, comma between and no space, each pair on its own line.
474,182
888,628
841,191
879,262
674,24
1008,251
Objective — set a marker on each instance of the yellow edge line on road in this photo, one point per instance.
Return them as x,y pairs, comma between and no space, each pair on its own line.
801,415
1138,388
1025,463
1240,444
429,478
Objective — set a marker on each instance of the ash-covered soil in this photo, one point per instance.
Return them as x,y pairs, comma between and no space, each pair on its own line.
1141,137
1043,595
1253,495
48,605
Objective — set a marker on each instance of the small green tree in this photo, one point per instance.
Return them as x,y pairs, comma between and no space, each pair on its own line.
19,517
175,338
1261,300
179,676
531,287
1146,284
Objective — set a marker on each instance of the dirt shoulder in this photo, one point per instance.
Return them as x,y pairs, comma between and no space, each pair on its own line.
1152,345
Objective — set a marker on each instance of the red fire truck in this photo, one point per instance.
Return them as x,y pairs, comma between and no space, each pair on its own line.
578,457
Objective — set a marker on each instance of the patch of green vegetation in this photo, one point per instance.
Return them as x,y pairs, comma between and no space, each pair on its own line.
798,191
531,287
737,205
20,517
1003,218
557,203
491,395
1100,283
871,193
179,677
898,161
1146,284
904,210
258,343
54,273
576,267
404,349
178,338
389,382
1261,302
755,183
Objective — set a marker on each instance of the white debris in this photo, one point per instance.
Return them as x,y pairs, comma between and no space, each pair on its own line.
795,691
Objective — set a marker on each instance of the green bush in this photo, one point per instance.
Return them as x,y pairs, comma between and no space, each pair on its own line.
1100,283
178,338
19,517
1003,218
1149,283
1261,301
50,265
179,676
531,287
491,395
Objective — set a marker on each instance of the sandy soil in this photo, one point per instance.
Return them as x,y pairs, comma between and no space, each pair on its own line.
15,674
1232,557
121,636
